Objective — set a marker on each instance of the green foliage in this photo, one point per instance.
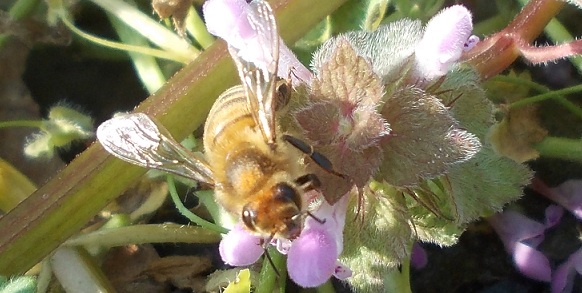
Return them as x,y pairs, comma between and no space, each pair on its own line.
242,284
23,284
434,168
377,237
63,126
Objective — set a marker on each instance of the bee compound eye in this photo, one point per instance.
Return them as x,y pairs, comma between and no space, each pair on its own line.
286,193
249,218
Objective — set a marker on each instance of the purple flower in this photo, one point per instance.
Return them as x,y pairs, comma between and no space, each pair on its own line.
567,194
311,258
445,38
521,236
240,248
233,21
563,278
418,257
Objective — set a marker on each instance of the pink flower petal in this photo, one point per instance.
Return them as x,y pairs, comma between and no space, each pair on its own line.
239,248
470,43
563,278
229,20
513,227
283,245
312,258
342,272
532,263
443,42
553,215
418,259
569,195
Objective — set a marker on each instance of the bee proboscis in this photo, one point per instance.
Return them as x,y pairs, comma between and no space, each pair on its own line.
256,171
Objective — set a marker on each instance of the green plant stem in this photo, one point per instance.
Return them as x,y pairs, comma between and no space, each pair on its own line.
268,277
146,66
149,28
21,123
542,89
220,216
545,96
150,233
60,208
121,46
399,279
187,213
19,10
561,148
196,27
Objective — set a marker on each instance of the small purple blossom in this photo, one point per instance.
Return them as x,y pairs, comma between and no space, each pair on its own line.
445,38
521,235
240,248
470,43
234,21
567,194
311,258
418,257
563,278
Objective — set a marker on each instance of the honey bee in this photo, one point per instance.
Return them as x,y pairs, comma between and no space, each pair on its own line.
256,171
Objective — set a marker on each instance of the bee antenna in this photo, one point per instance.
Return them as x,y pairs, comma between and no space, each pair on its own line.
319,220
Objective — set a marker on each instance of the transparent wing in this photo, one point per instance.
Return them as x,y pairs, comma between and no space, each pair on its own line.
137,139
259,76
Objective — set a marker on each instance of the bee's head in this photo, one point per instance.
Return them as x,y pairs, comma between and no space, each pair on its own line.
278,215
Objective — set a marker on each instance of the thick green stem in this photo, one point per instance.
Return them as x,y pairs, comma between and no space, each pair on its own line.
197,29
151,233
560,148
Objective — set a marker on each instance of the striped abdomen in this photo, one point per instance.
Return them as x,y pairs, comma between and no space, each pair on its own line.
242,162
228,115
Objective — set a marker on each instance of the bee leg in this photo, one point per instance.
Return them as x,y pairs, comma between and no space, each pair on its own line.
308,182
317,157
283,94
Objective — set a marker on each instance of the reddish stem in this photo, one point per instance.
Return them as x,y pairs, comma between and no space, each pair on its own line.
499,51
537,55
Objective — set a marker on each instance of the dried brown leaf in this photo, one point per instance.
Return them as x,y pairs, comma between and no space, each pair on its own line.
178,267
514,136
124,267
177,9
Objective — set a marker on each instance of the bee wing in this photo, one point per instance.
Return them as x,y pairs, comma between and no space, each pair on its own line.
259,77
137,139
